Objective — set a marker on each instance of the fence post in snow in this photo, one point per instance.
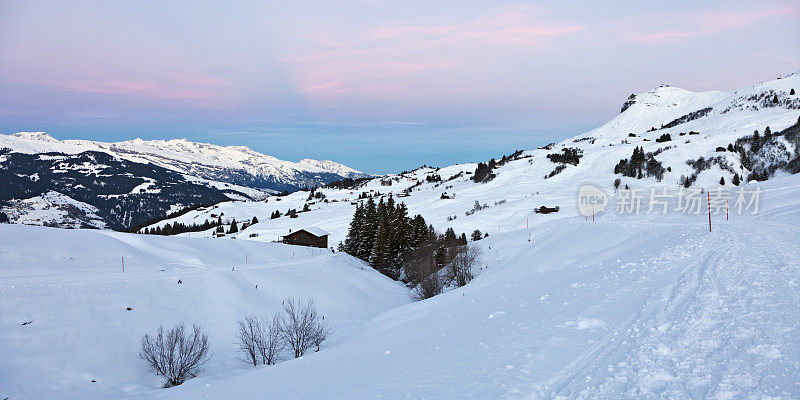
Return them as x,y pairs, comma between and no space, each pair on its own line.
709,210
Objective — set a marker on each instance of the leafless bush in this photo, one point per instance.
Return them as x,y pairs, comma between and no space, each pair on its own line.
269,345
460,269
300,326
429,282
259,340
175,354
249,335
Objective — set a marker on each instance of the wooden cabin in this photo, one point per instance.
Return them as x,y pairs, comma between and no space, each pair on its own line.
310,237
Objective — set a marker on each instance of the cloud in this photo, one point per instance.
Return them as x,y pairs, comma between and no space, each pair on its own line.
392,59
177,86
707,23
515,25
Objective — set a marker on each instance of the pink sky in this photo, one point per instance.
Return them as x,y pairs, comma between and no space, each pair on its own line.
525,71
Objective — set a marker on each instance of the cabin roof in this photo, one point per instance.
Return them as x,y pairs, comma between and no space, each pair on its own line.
318,232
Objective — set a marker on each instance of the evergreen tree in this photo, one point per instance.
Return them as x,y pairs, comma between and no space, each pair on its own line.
440,256
370,228
379,257
254,221
353,240
233,228
450,236
735,179
722,180
476,235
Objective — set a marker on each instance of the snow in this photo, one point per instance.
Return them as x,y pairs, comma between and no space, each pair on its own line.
53,209
181,155
692,315
316,231
627,306
70,284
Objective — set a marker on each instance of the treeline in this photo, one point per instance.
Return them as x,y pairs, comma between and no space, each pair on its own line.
380,233
483,172
177,227
641,165
346,183
401,247
171,215
763,154
568,155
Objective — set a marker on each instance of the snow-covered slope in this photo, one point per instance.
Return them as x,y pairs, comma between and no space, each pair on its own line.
232,164
54,209
645,306
69,286
520,185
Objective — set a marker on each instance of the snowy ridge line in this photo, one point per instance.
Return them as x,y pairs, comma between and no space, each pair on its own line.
202,160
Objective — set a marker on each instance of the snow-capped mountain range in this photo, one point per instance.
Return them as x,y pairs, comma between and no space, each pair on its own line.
232,164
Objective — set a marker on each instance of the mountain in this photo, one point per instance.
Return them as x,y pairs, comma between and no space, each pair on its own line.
121,193
237,165
129,183
681,139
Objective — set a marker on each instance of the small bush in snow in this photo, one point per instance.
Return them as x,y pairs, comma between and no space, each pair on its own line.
460,269
175,354
300,327
259,340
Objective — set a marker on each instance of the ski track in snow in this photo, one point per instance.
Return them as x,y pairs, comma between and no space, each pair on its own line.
725,329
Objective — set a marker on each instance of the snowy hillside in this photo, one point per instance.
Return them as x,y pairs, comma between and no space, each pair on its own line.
626,307
233,164
69,286
632,306
520,185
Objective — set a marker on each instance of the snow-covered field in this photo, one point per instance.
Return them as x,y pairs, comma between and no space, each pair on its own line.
69,284
646,306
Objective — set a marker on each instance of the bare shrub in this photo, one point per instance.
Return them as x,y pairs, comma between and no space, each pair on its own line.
300,326
259,340
460,269
429,282
269,345
250,333
175,354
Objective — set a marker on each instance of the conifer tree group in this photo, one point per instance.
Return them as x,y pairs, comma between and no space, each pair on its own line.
380,233
177,227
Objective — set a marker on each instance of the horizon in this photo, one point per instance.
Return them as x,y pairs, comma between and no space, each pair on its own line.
378,87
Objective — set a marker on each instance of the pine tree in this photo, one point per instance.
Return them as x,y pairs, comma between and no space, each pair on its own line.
476,235
735,179
722,180
403,235
379,257
440,256
369,230
254,221
233,228
353,240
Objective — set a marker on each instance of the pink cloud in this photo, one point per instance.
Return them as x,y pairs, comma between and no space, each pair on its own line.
387,59
711,23
175,86
515,25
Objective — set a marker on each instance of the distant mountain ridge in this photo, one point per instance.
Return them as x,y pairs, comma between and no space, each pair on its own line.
237,165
